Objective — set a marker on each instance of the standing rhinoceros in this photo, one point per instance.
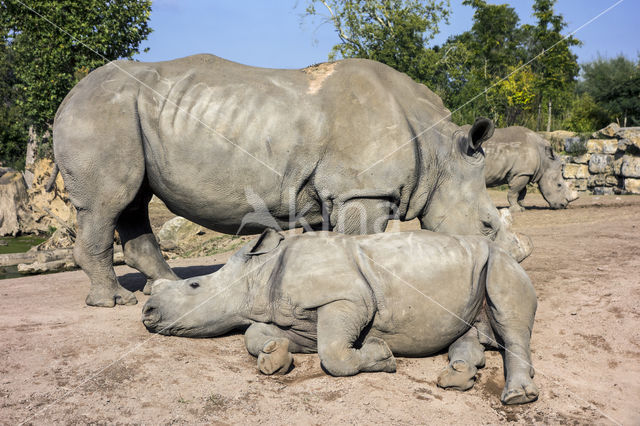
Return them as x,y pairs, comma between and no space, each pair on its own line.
360,300
338,146
518,156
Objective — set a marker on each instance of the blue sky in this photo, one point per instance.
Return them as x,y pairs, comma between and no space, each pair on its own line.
270,33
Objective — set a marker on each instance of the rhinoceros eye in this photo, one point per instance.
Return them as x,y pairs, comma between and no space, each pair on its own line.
194,284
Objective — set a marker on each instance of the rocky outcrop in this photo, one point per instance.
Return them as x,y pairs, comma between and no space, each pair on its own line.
14,203
50,209
606,164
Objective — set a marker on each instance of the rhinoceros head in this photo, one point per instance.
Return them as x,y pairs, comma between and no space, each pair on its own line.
214,304
460,203
553,187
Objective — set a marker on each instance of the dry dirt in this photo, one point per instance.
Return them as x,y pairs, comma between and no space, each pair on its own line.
63,362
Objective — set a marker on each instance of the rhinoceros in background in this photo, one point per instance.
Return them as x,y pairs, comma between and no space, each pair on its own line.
339,146
360,300
518,156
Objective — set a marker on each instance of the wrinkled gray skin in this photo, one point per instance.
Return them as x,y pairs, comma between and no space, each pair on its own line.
518,156
360,300
211,138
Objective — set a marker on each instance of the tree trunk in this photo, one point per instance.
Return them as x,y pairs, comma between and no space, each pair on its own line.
14,202
32,149
549,118
539,116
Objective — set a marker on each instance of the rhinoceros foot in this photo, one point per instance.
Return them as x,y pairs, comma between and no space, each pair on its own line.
459,375
109,297
377,356
275,357
516,208
519,390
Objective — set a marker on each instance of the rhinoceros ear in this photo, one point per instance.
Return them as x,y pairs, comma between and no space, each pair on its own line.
267,241
549,152
481,130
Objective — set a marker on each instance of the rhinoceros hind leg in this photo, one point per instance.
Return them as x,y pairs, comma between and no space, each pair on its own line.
466,355
141,250
339,326
93,251
512,306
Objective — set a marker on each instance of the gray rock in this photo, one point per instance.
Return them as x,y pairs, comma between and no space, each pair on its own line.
175,230
607,132
602,146
575,171
630,167
632,185
601,163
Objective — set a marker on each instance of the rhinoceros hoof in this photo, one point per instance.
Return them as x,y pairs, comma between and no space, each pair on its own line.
275,357
377,356
519,391
516,209
108,298
458,375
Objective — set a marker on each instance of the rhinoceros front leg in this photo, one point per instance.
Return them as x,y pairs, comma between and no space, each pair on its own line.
511,310
517,192
466,355
361,216
141,250
339,326
272,346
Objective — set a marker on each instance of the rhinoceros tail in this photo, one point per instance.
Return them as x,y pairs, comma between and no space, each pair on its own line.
51,183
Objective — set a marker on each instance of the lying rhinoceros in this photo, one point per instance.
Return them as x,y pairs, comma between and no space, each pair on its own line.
518,156
360,300
338,146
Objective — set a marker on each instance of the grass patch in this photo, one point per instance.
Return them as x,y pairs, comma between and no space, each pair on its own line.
20,244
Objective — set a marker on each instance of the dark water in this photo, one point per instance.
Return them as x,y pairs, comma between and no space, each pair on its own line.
16,245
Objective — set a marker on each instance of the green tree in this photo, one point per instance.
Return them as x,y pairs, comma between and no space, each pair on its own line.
55,43
13,134
585,115
394,32
555,66
614,84
494,49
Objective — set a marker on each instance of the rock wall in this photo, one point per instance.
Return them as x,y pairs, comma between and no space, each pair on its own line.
610,163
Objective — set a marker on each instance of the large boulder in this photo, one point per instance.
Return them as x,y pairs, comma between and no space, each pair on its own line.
632,185
601,163
50,209
629,136
575,171
608,132
630,166
602,146
14,202
175,231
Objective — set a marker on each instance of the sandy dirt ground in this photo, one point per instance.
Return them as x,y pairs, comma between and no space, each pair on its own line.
64,362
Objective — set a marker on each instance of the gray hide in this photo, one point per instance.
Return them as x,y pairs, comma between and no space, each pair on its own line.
360,300
518,156
338,146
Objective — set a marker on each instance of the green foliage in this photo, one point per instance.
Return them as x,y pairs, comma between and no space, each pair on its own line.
585,115
498,69
54,43
614,84
394,32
